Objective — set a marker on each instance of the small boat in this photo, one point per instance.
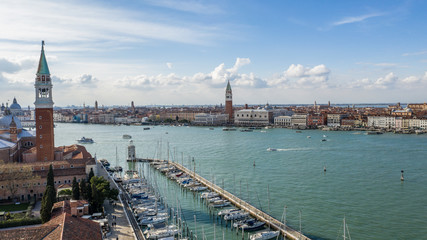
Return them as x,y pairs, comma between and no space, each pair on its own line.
235,215
264,235
117,179
252,225
374,133
298,131
146,128
152,220
198,188
325,136
220,203
323,140
271,149
211,128
308,137
85,140
126,136
246,130
228,129
227,211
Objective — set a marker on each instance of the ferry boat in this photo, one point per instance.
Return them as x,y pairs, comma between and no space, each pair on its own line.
85,140
265,235
126,136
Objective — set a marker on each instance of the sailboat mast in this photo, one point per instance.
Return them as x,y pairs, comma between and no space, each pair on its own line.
344,228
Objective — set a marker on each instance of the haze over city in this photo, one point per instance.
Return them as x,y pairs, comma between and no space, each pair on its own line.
165,52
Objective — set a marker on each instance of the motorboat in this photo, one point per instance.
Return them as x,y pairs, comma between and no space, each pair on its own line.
126,136
235,215
162,233
264,235
146,128
220,203
252,225
238,224
198,188
152,220
117,178
208,195
271,149
227,211
85,140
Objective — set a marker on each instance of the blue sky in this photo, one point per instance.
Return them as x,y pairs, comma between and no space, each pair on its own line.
183,52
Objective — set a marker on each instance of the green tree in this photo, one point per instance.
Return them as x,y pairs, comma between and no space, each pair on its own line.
83,189
51,182
47,204
101,190
91,175
76,190
65,192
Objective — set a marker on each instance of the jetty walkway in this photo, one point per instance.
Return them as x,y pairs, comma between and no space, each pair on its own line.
285,230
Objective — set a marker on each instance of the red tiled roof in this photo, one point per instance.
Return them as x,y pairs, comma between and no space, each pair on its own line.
61,226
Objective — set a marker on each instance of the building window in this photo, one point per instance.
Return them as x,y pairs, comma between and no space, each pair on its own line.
62,166
41,136
41,146
39,184
40,126
55,182
71,166
41,194
40,117
59,182
42,168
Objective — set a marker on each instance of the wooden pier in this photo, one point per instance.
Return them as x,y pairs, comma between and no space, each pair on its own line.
286,231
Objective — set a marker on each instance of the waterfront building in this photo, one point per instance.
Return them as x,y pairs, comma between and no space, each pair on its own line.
211,119
284,121
299,120
416,107
260,116
229,103
315,120
334,119
385,122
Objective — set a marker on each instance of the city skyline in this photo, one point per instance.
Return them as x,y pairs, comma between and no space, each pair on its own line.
168,53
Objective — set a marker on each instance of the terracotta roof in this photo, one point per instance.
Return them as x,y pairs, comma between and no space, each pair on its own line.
61,226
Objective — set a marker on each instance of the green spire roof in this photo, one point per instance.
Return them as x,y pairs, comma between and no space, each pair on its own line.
43,68
228,86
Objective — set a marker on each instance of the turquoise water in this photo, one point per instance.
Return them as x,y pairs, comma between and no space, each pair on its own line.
362,180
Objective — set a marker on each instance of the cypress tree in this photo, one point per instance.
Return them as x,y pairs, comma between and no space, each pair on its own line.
91,174
50,182
83,189
96,198
76,191
47,204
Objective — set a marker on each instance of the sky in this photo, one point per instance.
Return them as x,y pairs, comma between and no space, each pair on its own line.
167,52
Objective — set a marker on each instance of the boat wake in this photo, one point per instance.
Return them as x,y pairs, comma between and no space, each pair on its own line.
287,149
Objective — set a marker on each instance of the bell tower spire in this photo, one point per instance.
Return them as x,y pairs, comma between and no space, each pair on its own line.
44,111
229,103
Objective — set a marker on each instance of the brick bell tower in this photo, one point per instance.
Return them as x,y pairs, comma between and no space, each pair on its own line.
44,111
229,103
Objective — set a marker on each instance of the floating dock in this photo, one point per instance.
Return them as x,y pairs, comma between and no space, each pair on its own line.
285,230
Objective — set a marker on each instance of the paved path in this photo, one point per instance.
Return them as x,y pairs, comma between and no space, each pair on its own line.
123,230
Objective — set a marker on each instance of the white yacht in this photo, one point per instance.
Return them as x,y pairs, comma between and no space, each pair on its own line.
236,215
264,235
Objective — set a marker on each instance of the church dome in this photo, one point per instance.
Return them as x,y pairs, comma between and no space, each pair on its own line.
7,120
15,105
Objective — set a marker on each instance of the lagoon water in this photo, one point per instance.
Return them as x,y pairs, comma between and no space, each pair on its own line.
362,181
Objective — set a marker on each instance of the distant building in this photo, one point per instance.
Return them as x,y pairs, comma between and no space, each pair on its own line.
334,119
285,121
229,103
384,122
299,120
210,119
260,116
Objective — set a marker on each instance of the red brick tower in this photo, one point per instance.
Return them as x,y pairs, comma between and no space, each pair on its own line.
229,103
44,111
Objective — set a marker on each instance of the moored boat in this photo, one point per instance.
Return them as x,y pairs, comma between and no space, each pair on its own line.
264,235
85,140
126,136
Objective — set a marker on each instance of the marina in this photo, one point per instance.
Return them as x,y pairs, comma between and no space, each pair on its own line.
362,170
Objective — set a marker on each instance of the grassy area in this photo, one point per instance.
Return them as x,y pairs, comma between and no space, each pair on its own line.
14,207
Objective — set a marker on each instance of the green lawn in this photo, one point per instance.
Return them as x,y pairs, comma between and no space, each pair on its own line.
14,207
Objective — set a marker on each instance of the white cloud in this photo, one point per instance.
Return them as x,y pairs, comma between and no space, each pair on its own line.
85,80
298,76
169,65
348,20
414,53
386,82
187,6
